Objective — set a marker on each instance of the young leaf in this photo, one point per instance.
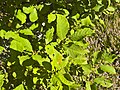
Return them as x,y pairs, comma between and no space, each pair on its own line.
88,85
27,45
81,33
49,35
2,33
1,49
33,26
64,80
26,32
87,69
51,17
11,34
109,69
33,15
21,16
1,80
62,26
86,21
28,10
102,81
20,87
23,58
15,45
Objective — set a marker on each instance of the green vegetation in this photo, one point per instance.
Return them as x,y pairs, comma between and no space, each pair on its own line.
59,44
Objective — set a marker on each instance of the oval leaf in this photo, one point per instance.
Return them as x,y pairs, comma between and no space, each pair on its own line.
21,16
49,35
51,17
33,15
62,26
15,45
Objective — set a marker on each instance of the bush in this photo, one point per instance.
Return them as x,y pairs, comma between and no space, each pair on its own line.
44,45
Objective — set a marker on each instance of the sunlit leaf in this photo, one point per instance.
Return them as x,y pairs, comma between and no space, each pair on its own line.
88,85
87,69
15,45
51,17
33,15
49,35
25,42
1,49
21,16
20,87
2,33
62,26
33,26
64,80
28,10
23,58
86,21
81,33
102,81
109,69
26,32
1,80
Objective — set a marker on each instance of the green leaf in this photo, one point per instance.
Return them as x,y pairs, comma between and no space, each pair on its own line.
20,87
28,10
88,85
33,15
109,69
33,26
18,25
75,50
2,33
49,35
1,80
51,17
81,60
11,34
86,21
87,69
62,26
81,33
1,49
39,59
27,45
23,58
26,32
97,8
64,80
111,9
102,81
15,45
21,16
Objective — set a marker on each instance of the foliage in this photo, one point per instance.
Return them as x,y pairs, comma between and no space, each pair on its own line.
46,48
